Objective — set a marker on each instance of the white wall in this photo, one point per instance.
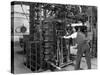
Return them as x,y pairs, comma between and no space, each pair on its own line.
21,17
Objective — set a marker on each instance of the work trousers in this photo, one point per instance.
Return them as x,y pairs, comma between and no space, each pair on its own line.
83,48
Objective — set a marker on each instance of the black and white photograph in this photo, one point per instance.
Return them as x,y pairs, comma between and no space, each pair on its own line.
53,37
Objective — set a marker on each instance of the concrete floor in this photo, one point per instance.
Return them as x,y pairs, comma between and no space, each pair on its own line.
18,62
19,68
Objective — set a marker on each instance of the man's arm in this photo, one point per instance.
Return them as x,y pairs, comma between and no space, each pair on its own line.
74,35
66,37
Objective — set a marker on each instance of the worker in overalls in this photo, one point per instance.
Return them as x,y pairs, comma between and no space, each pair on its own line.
83,48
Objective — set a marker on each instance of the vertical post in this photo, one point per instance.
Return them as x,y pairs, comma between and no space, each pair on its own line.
61,51
36,55
92,30
30,56
32,20
68,50
12,39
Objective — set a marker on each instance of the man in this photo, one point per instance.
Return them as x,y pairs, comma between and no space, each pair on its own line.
83,47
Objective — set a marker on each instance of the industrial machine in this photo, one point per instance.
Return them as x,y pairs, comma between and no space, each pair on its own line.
44,48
